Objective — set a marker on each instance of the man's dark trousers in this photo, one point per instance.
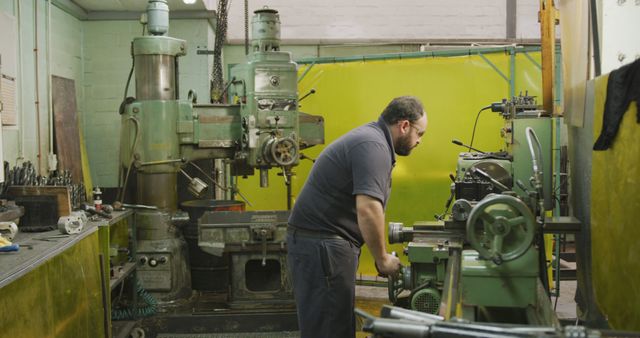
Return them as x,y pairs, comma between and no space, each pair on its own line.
323,271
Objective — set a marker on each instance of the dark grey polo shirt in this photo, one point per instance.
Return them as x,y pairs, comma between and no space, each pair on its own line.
358,163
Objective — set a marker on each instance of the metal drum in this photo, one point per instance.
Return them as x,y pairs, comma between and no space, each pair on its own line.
265,30
155,77
208,272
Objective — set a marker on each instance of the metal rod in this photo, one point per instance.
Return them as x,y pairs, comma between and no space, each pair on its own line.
288,183
556,212
220,176
395,312
186,175
264,178
139,206
208,176
535,63
450,288
494,67
37,83
105,301
161,162
417,55
512,72
134,248
593,11
306,71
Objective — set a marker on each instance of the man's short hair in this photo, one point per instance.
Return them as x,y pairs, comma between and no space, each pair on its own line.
403,108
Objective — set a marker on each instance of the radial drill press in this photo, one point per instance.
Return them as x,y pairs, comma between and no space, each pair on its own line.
261,129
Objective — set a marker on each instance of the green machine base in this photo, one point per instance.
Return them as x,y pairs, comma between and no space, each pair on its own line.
510,284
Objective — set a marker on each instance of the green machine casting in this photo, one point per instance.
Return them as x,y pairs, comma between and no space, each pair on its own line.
484,260
261,129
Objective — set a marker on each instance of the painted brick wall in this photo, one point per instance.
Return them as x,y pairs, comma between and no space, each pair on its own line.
392,20
107,60
527,25
66,55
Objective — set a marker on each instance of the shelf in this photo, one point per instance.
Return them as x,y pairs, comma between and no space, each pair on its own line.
127,269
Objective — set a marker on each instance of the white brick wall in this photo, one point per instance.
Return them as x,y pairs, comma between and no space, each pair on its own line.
619,41
527,25
391,20
107,60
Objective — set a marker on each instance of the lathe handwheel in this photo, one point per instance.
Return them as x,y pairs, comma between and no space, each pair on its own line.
501,228
282,151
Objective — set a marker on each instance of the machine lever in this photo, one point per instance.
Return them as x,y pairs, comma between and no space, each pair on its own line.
312,91
448,204
459,143
139,206
263,237
305,157
488,177
522,186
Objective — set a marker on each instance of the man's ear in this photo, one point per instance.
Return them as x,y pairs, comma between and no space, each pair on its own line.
404,125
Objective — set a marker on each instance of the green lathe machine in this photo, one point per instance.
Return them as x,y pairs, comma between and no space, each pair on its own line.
485,261
260,129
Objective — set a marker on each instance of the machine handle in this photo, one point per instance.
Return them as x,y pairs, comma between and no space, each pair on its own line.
263,237
312,91
459,143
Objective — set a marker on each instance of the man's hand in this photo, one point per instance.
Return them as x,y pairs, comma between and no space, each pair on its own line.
389,265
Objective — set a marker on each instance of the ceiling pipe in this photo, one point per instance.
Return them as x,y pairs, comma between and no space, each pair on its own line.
52,161
20,89
37,83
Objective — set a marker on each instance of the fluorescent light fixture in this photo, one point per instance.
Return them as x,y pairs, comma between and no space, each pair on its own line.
189,2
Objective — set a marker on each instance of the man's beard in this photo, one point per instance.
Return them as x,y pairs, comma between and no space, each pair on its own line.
403,146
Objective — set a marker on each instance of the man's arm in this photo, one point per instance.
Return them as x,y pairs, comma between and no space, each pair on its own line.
371,224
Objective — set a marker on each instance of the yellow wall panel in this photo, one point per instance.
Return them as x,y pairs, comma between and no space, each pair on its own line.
60,298
615,211
453,90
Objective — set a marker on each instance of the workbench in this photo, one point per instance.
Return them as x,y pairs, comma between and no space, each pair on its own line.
59,285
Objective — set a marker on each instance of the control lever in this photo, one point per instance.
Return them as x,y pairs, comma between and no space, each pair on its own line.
533,199
312,91
305,157
449,200
263,238
459,143
488,177
522,186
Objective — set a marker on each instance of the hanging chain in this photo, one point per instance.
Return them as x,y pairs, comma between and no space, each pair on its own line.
246,27
217,84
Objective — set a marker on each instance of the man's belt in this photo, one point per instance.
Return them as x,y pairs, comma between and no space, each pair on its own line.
296,231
